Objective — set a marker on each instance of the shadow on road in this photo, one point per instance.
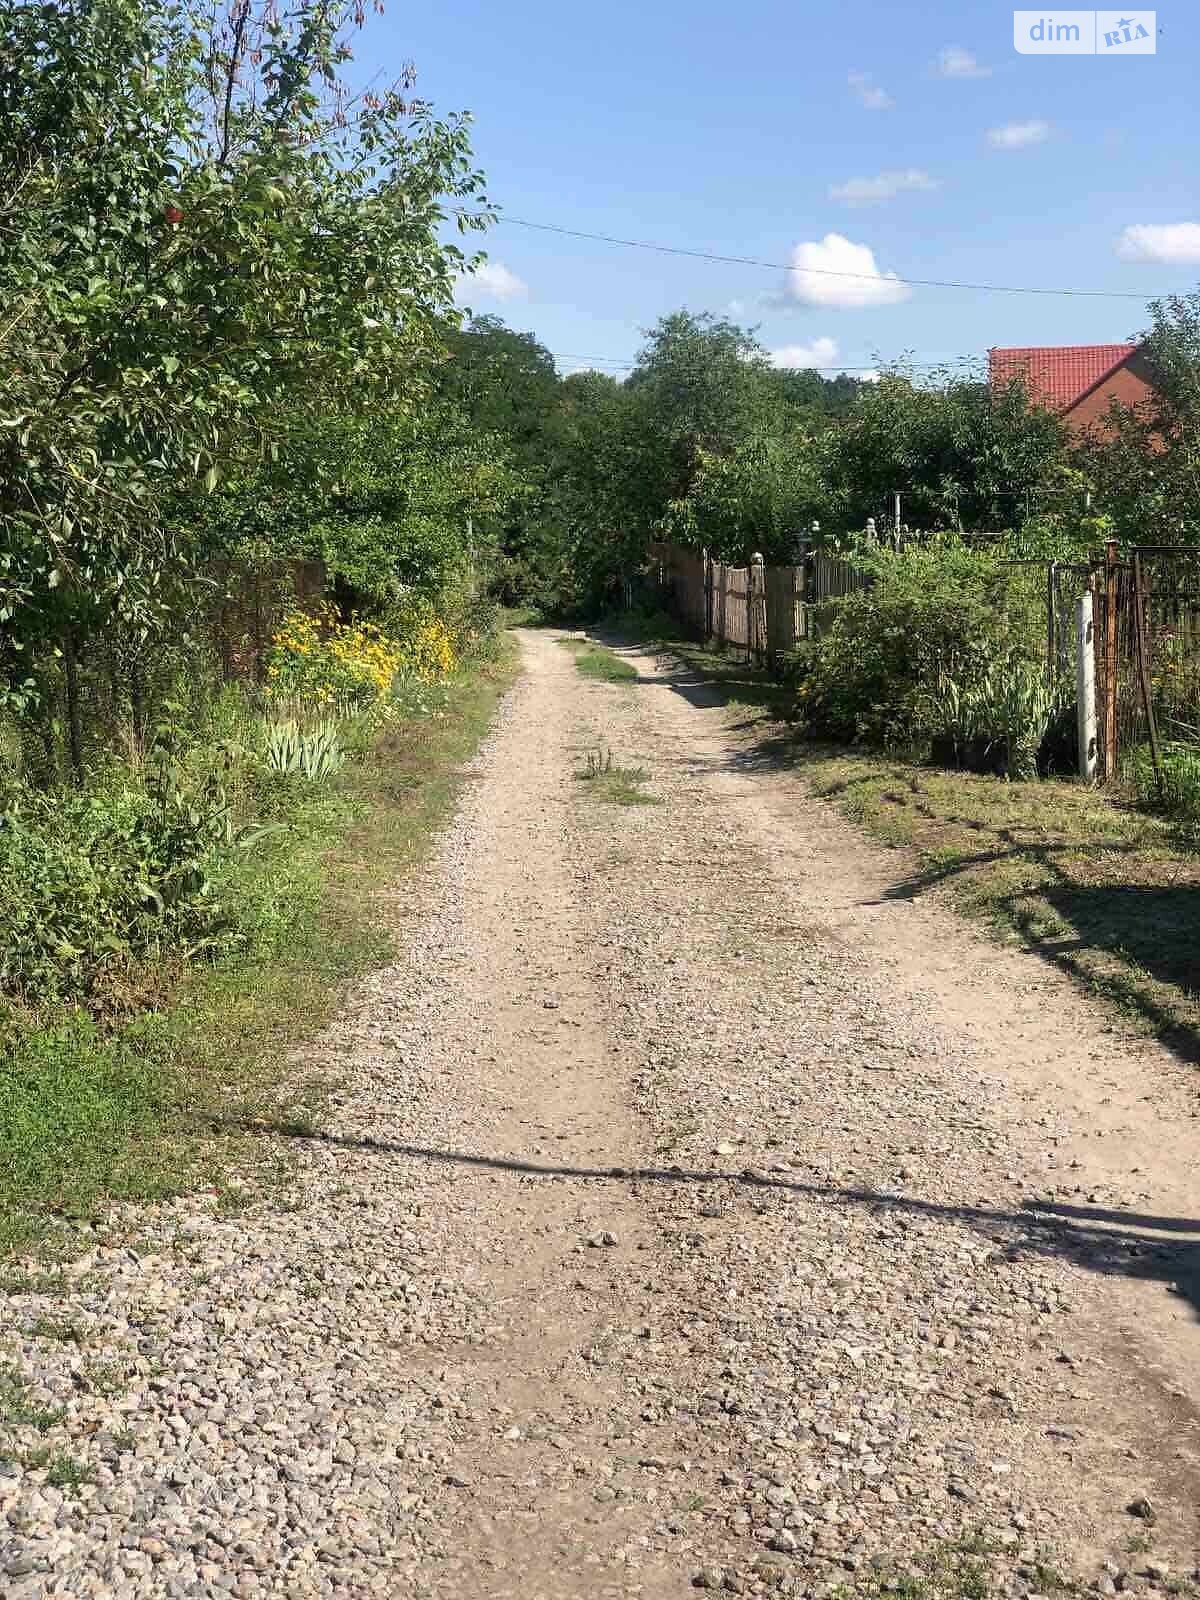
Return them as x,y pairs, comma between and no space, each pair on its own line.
1152,931
1111,1242
1133,940
720,680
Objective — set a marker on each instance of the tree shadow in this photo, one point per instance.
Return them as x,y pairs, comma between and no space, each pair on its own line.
722,686
1143,934
1157,927
721,679
1131,941
1100,1239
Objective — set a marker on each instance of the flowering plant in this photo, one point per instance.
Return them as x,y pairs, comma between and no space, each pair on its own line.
427,650
315,657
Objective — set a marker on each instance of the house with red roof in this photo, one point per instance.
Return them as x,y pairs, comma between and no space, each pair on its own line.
1078,381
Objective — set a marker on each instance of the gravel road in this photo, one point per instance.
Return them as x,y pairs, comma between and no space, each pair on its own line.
693,1211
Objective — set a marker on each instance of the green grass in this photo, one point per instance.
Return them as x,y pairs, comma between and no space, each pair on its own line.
957,1569
17,1410
181,1096
105,1377
62,1471
619,786
60,1330
521,617
17,1280
595,661
1105,890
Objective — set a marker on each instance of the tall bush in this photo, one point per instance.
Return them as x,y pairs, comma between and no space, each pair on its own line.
203,230
932,613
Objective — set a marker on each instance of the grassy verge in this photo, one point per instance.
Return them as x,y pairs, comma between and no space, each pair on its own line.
175,1099
1107,891
594,661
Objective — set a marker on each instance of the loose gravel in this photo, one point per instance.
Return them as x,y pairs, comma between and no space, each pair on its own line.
663,1234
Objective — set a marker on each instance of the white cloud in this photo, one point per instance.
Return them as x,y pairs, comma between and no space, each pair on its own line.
836,272
955,62
493,281
821,352
1171,243
871,191
869,94
1018,135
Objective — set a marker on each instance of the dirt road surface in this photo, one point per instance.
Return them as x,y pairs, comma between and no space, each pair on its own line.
696,1209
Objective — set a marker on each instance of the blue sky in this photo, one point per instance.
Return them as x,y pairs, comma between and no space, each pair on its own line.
727,128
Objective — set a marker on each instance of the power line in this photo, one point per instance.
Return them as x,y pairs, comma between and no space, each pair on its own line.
871,367
874,366
824,272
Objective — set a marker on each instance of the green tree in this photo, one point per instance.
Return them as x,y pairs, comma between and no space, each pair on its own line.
700,385
391,503
762,496
506,384
1144,461
411,506
201,230
962,455
814,397
601,540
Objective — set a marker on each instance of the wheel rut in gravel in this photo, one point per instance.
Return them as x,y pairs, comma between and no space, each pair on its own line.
688,1213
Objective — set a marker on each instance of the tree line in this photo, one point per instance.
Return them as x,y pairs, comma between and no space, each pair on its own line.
229,339
706,443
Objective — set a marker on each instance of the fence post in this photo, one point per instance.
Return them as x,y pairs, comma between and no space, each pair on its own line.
1142,645
1110,659
756,605
1051,631
1085,686
799,622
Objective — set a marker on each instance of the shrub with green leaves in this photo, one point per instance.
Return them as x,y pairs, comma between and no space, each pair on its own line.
97,880
932,614
1004,711
1178,791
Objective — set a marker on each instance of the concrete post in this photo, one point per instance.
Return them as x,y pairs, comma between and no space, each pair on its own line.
1085,687
756,608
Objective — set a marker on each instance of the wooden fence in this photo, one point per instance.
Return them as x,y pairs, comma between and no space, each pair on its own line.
1146,631
762,610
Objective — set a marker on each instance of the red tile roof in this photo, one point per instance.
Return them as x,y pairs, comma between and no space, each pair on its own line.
1056,376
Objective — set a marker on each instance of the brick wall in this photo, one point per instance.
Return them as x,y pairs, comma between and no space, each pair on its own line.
1131,384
